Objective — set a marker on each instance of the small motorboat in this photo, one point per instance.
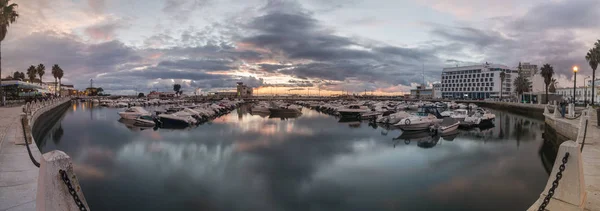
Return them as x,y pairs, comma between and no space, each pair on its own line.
421,121
481,117
133,113
447,113
443,130
145,121
459,114
353,111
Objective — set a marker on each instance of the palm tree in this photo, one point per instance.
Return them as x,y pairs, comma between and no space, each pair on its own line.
55,69
553,85
521,84
40,71
593,58
8,15
31,73
547,73
502,77
59,75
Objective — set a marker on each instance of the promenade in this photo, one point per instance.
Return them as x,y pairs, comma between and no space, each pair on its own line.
18,175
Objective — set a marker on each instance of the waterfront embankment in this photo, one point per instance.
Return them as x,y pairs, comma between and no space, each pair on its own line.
19,174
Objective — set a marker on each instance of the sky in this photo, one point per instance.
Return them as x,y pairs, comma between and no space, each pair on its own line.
293,46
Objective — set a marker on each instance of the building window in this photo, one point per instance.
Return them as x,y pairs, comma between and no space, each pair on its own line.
492,74
487,75
492,83
487,84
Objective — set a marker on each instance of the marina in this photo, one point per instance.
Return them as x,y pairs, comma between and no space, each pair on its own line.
292,163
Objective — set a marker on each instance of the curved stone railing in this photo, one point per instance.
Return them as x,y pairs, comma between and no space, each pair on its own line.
35,109
52,191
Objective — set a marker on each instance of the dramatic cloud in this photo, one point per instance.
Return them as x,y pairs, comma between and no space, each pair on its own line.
331,45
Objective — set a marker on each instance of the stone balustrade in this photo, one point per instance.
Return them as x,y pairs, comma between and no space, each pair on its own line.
52,192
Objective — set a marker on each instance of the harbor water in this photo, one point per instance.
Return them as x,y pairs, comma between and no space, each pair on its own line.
241,161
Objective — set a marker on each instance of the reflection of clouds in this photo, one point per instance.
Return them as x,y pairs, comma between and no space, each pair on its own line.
200,159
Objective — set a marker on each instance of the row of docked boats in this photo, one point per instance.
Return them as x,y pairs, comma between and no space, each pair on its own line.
129,102
180,116
394,113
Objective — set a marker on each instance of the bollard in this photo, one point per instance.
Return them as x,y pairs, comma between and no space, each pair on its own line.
582,126
557,112
546,111
570,193
52,192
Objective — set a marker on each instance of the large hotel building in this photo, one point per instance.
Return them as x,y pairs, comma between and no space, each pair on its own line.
477,82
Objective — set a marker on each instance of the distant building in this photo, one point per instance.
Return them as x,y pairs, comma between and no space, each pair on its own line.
225,94
477,82
243,90
529,70
437,90
582,93
155,94
421,92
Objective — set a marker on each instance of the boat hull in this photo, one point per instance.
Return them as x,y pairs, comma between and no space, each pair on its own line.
417,126
128,115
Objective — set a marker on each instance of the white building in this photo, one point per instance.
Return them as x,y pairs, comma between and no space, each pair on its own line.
581,93
529,70
477,81
437,91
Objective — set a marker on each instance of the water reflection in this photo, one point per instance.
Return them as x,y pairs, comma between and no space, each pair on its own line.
243,161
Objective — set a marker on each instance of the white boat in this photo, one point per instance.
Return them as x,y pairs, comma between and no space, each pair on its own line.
420,121
133,113
461,106
472,106
178,119
444,130
145,121
459,114
353,110
479,118
447,113
393,118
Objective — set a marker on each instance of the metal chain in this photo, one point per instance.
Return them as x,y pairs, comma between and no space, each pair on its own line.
67,181
561,168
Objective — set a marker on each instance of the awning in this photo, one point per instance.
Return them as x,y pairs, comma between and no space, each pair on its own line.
21,84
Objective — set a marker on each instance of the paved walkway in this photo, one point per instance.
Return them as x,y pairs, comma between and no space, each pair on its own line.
591,166
18,175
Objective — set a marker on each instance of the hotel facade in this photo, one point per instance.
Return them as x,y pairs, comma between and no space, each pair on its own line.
477,82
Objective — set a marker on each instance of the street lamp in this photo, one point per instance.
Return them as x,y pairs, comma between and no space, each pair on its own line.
575,68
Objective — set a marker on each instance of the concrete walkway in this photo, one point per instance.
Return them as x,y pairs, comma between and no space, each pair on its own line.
18,175
591,165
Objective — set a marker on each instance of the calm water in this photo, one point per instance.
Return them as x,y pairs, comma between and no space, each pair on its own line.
245,162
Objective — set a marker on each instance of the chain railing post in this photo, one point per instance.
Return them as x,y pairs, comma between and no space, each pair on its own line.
565,189
58,187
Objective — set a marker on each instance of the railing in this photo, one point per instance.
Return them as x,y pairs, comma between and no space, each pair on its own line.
565,189
58,187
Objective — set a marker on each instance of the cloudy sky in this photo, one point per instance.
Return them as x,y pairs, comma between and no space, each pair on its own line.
332,45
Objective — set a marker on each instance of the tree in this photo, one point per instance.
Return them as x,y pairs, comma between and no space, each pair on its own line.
16,75
60,75
176,88
553,85
547,73
8,15
593,58
140,95
55,69
40,71
502,77
31,73
99,90
521,84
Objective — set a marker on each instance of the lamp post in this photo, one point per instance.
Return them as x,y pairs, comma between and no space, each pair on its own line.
574,82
